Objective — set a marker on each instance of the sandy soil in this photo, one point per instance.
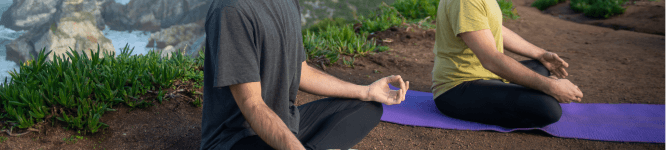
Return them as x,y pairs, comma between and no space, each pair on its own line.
610,66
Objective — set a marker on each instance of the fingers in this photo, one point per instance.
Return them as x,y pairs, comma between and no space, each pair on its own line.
393,78
556,73
400,96
402,84
579,94
396,96
564,64
563,100
407,85
563,73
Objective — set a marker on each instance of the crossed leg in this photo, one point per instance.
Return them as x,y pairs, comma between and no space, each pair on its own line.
498,103
329,123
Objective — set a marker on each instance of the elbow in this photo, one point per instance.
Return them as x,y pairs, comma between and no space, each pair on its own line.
489,64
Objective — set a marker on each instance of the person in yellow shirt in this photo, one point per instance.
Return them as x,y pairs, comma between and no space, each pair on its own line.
473,80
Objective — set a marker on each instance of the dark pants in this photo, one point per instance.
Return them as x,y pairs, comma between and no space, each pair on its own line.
498,103
329,123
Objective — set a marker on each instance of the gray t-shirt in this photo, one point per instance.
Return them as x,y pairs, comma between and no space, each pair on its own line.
250,41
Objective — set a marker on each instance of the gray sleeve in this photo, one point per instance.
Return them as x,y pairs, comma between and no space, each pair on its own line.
237,55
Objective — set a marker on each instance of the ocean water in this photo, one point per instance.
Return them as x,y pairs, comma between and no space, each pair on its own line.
6,37
136,39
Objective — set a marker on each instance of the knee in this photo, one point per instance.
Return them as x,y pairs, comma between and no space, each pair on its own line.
374,110
551,112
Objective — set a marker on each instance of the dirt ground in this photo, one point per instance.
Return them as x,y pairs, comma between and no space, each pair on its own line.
609,66
644,16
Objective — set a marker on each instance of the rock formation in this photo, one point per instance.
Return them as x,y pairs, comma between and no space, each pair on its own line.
153,15
26,14
75,24
186,38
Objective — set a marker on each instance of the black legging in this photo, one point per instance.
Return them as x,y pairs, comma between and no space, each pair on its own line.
329,123
498,103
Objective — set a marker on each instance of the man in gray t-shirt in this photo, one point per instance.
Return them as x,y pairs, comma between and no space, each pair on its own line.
255,65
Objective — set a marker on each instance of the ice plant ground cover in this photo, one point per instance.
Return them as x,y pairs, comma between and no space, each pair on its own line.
79,89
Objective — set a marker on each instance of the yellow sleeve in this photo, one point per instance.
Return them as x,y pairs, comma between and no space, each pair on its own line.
468,15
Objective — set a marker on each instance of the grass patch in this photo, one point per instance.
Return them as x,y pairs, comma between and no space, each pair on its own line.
417,9
78,90
329,39
508,10
598,8
544,4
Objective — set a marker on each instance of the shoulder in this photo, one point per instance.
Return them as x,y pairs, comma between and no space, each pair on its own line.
218,6
228,8
231,6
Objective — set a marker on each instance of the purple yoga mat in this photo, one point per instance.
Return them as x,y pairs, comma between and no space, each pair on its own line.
607,122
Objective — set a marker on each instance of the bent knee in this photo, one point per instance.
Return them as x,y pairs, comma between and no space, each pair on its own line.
550,112
541,109
551,117
374,110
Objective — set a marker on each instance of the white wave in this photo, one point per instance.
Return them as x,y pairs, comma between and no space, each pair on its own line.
5,67
136,39
124,2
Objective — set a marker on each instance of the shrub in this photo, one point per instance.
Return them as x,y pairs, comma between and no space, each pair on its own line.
383,18
508,10
331,38
417,9
333,41
598,8
544,4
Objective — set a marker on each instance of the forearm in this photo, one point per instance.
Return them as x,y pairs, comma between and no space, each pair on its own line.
317,82
510,69
261,118
271,128
516,44
482,44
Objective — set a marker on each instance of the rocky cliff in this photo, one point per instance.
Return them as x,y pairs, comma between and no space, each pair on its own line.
153,15
186,38
75,24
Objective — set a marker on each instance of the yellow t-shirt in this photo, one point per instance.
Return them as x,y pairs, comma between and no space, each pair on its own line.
455,63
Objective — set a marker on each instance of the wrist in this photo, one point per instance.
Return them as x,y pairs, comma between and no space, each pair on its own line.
363,93
548,84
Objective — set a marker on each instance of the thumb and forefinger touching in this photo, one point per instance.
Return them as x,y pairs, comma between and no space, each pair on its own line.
399,94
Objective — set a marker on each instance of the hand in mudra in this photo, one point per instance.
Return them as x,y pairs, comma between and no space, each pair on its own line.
564,91
379,91
554,64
